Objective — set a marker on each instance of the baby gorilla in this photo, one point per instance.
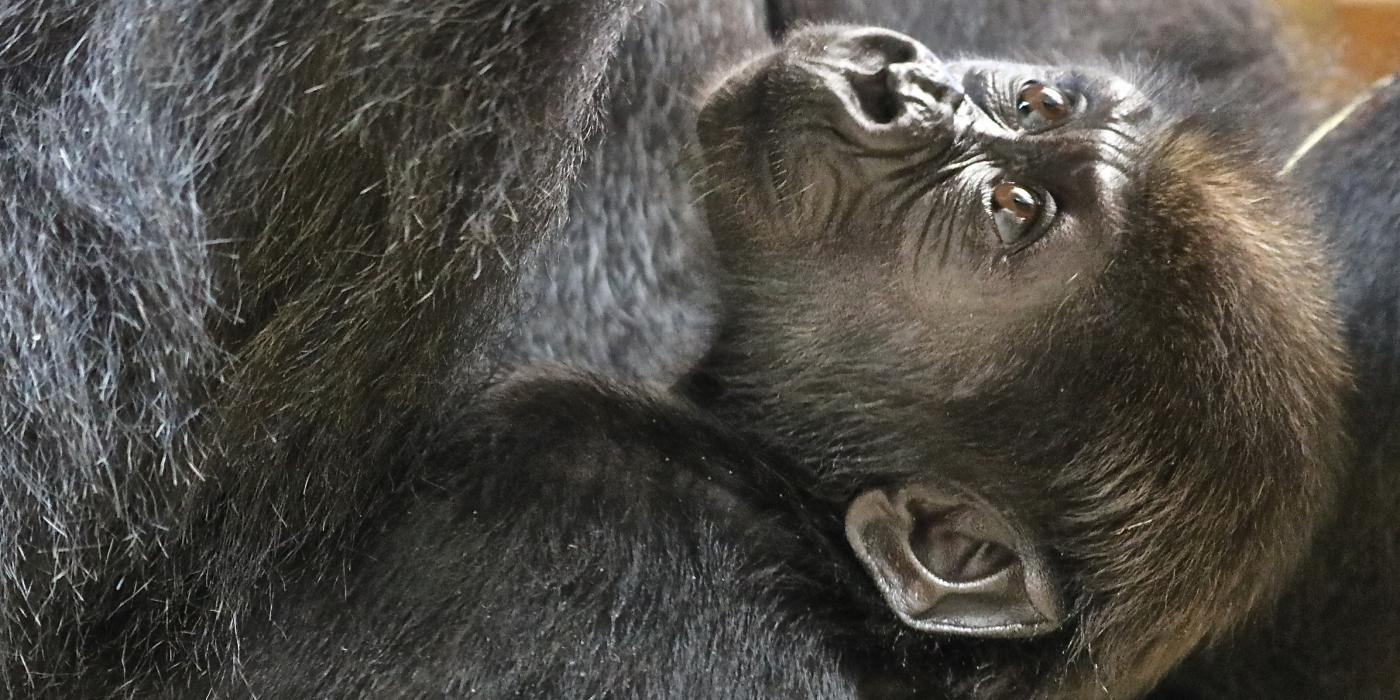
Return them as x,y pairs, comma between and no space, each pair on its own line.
1061,346
1041,350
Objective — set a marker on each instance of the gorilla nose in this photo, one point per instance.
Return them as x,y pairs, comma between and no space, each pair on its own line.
927,82
873,49
887,71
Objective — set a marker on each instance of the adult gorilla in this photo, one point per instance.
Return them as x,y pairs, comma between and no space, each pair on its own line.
246,250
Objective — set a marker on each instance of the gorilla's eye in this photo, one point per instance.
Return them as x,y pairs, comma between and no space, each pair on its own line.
1018,212
1041,106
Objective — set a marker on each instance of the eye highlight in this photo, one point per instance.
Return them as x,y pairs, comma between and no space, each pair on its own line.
1040,106
1019,213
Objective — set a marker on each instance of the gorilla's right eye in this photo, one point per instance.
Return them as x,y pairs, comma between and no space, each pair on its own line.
1042,106
1018,213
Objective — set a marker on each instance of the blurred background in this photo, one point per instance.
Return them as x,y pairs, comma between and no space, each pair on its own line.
1365,34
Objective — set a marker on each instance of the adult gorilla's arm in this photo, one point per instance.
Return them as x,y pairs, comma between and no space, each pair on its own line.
561,538
1336,633
245,249
628,290
570,540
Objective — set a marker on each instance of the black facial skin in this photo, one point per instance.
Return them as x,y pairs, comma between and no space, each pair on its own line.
882,330
899,152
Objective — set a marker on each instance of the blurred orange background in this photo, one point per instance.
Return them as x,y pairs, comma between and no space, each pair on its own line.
1364,33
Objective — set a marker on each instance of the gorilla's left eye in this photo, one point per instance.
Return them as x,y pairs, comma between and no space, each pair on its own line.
1019,213
1042,106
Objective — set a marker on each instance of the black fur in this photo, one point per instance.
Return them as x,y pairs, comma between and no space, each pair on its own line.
247,248
628,290
613,547
1336,633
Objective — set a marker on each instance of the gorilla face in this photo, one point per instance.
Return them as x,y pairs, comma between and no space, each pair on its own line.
1054,346
978,187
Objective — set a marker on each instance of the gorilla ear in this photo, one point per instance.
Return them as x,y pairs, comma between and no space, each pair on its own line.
947,561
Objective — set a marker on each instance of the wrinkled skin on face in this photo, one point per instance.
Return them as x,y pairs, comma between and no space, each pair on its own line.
1064,355
854,151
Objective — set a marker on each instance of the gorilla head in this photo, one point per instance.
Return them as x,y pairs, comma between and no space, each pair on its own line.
1054,343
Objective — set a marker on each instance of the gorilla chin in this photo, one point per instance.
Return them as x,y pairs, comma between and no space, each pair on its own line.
1069,359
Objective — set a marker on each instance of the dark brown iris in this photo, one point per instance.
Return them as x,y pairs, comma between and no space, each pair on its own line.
1015,199
1014,210
1042,106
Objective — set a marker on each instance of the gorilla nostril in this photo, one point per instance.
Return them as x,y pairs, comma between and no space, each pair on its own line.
892,48
926,81
888,75
876,97
873,49
942,92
